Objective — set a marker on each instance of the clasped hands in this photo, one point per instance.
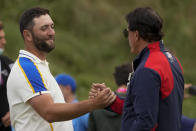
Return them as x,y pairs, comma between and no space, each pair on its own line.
101,95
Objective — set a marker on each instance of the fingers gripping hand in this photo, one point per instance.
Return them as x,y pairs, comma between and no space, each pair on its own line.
105,98
99,86
93,92
111,97
95,89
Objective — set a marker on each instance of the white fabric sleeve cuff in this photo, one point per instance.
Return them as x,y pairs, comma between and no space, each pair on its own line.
36,94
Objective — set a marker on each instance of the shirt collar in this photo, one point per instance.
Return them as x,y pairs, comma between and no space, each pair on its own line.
26,54
158,45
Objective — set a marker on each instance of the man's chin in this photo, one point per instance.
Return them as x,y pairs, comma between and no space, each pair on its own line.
45,46
48,49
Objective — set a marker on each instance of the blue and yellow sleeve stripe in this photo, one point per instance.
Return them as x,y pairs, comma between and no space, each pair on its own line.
32,74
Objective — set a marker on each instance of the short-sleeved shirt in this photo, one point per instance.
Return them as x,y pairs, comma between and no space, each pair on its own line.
31,77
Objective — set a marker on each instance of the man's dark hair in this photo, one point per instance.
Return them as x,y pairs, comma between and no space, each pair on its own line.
121,74
1,25
26,20
147,22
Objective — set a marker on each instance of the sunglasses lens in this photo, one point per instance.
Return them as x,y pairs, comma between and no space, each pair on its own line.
125,32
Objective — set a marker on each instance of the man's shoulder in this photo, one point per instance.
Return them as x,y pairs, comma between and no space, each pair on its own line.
157,61
27,65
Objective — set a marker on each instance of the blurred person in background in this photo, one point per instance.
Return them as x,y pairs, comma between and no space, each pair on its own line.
156,88
121,76
188,124
68,87
187,86
112,120
36,101
5,67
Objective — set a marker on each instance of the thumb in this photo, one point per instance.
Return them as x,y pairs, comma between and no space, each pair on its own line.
106,91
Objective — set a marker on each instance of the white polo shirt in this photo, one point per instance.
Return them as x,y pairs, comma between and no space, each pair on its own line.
31,77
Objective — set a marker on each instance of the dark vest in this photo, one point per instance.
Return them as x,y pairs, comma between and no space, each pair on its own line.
5,70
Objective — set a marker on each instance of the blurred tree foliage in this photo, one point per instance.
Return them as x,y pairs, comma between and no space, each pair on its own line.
89,40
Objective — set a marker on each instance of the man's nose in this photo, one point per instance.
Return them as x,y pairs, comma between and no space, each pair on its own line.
51,32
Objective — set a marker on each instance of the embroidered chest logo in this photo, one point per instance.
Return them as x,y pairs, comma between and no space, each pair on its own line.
129,78
171,58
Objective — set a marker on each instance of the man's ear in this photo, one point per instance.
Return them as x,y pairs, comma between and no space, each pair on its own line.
27,35
137,35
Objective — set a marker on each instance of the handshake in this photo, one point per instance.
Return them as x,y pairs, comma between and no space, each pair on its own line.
101,96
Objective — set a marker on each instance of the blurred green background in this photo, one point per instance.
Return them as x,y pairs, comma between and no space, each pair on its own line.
89,40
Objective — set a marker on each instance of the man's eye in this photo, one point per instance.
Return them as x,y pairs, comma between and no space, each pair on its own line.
52,26
44,28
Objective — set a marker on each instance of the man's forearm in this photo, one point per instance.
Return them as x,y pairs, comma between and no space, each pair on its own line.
67,111
52,112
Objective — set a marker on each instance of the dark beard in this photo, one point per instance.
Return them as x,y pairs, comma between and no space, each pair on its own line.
41,45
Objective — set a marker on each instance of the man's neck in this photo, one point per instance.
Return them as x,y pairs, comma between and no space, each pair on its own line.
143,44
39,54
